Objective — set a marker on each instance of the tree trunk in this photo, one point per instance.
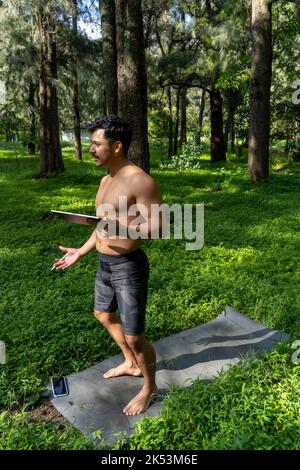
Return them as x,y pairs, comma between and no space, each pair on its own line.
137,85
44,152
75,94
217,137
170,140
287,144
76,116
120,44
260,83
31,141
107,10
177,121
208,8
51,158
226,133
229,128
200,119
232,131
183,103
7,134
56,162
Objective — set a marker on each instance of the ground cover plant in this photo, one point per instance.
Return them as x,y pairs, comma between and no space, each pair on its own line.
249,261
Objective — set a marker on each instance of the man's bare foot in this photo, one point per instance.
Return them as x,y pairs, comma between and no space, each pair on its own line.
127,368
139,403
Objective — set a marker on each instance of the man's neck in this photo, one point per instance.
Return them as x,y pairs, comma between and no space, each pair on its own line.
115,167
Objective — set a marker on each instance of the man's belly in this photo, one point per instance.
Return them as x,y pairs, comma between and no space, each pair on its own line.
116,247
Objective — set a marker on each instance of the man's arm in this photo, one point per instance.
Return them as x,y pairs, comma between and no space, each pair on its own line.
89,245
74,254
148,201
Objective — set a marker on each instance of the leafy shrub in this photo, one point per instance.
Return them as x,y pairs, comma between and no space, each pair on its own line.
187,160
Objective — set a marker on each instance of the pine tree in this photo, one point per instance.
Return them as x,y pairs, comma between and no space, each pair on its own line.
107,10
261,74
137,85
51,157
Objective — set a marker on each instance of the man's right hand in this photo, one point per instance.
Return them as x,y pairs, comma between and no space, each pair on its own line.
73,255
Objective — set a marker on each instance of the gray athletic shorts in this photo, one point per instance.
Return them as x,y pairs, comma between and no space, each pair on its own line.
122,282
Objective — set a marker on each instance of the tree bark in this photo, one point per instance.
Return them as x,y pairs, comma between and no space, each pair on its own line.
76,116
200,119
31,140
177,121
51,157
107,10
137,85
44,153
120,45
232,131
183,104
260,83
217,136
208,8
170,140
229,127
75,93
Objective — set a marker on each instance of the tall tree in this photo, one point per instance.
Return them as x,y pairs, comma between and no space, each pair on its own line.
217,137
32,130
51,157
120,11
170,122
107,10
75,92
260,84
176,122
200,118
183,105
137,85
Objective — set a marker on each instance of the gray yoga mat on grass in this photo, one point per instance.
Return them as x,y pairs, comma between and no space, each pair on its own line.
96,403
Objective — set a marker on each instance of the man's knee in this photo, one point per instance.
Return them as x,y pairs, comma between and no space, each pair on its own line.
136,343
102,317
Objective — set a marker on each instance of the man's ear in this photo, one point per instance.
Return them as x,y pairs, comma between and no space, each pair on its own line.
118,146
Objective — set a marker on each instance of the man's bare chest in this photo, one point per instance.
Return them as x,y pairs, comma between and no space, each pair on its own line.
114,194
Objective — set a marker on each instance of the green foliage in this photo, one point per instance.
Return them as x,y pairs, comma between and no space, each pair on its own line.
158,121
253,406
17,432
233,80
189,159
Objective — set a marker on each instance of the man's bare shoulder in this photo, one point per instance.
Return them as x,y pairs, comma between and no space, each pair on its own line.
102,182
143,186
103,179
137,175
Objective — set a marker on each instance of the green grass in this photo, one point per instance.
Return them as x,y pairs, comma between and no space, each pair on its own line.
254,406
249,261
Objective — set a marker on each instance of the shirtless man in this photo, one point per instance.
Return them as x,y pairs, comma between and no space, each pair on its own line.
122,276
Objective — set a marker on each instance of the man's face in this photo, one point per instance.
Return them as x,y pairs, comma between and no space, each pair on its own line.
101,148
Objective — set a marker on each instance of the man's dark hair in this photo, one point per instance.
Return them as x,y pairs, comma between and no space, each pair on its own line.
115,128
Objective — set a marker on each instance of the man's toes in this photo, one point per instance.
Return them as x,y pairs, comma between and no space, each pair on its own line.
108,374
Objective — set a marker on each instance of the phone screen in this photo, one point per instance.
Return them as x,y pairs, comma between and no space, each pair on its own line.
60,386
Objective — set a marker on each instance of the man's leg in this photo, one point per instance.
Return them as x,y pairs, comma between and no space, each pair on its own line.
146,361
113,325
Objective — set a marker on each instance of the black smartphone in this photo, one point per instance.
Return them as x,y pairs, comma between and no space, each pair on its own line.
60,386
